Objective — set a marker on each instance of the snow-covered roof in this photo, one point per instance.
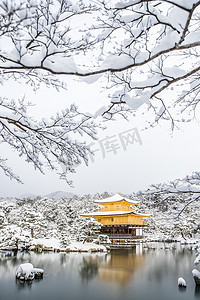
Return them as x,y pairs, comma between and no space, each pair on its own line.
116,198
112,213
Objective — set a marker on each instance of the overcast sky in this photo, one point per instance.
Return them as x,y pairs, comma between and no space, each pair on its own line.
129,162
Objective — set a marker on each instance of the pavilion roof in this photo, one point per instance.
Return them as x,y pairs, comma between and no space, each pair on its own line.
113,213
116,198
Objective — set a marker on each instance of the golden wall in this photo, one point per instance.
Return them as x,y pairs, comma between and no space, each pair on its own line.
119,220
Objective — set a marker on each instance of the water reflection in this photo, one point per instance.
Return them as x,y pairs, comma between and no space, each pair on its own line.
145,273
89,268
21,285
118,266
197,291
10,260
121,265
182,289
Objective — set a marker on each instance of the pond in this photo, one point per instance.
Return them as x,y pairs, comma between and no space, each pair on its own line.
137,273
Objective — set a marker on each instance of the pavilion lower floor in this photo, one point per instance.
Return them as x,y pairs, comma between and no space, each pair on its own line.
122,231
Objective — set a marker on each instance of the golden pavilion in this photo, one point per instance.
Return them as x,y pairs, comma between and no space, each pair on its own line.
118,217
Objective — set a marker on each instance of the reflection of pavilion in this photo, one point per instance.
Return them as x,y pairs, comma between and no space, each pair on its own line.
117,267
119,219
120,266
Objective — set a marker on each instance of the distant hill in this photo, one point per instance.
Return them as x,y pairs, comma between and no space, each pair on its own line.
54,195
27,195
59,194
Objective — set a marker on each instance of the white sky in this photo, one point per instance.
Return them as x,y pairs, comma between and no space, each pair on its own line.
159,158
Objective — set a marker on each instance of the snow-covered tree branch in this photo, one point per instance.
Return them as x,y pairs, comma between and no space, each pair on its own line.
188,186
31,33
144,47
147,52
46,142
151,48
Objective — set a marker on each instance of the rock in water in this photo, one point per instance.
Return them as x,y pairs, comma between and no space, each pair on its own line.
27,272
181,282
196,275
38,273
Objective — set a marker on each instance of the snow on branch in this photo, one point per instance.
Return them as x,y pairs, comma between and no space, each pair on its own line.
188,186
48,142
149,51
142,44
144,50
8,171
37,39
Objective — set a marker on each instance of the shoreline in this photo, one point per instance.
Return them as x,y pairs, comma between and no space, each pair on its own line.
90,247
